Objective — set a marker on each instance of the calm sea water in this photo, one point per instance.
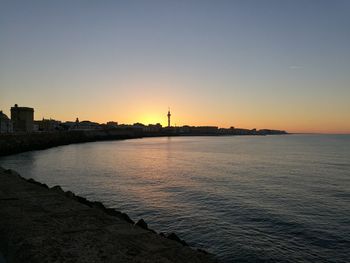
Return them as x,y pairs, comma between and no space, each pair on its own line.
244,198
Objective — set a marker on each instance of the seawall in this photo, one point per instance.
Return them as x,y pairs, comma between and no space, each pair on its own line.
17,143
42,224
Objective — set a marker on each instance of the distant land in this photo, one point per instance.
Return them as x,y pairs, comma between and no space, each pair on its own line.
22,133
22,121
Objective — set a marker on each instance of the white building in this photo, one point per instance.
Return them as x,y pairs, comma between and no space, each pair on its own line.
5,124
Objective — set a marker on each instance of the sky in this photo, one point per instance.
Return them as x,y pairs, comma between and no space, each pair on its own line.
279,64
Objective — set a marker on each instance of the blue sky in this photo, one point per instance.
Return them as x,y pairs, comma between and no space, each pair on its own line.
279,64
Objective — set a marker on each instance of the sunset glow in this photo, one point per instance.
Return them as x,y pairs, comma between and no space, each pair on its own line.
228,64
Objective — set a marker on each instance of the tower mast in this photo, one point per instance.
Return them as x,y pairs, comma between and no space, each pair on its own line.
169,117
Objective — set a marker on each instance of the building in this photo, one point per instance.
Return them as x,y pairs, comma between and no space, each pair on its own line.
48,125
22,119
153,128
199,130
112,124
5,123
83,125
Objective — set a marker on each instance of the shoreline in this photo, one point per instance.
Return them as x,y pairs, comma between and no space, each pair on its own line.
38,224
18,143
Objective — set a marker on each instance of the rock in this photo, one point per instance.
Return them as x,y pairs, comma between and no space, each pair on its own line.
174,237
112,212
152,231
123,216
202,251
83,200
12,172
32,181
57,188
63,229
141,223
98,205
69,194
127,218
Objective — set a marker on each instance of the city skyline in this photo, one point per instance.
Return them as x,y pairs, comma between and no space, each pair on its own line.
249,64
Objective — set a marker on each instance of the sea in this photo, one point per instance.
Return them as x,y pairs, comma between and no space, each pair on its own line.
279,198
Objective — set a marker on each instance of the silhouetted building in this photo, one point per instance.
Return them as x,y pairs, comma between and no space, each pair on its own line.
152,128
112,124
22,119
86,125
185,129
198,130
48,125
138,125
5,123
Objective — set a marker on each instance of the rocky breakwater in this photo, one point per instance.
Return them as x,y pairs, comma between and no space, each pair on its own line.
42,224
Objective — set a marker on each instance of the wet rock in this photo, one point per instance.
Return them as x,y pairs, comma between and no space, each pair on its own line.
141,223
32,181
83,200
127,218
174,237
123,216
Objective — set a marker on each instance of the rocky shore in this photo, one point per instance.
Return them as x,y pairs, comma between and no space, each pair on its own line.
42,224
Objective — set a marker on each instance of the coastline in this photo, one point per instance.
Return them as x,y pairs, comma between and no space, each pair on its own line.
39,224
23,142
17,143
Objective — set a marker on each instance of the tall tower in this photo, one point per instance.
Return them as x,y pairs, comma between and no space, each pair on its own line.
22,119
169,117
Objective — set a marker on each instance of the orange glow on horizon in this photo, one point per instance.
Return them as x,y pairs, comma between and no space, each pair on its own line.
149,105
157,114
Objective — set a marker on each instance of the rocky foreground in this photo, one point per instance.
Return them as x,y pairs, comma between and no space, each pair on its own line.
41,224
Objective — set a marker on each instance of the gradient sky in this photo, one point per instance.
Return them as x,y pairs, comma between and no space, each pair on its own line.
282,64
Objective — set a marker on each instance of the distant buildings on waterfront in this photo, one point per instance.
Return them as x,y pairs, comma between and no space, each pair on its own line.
22,121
